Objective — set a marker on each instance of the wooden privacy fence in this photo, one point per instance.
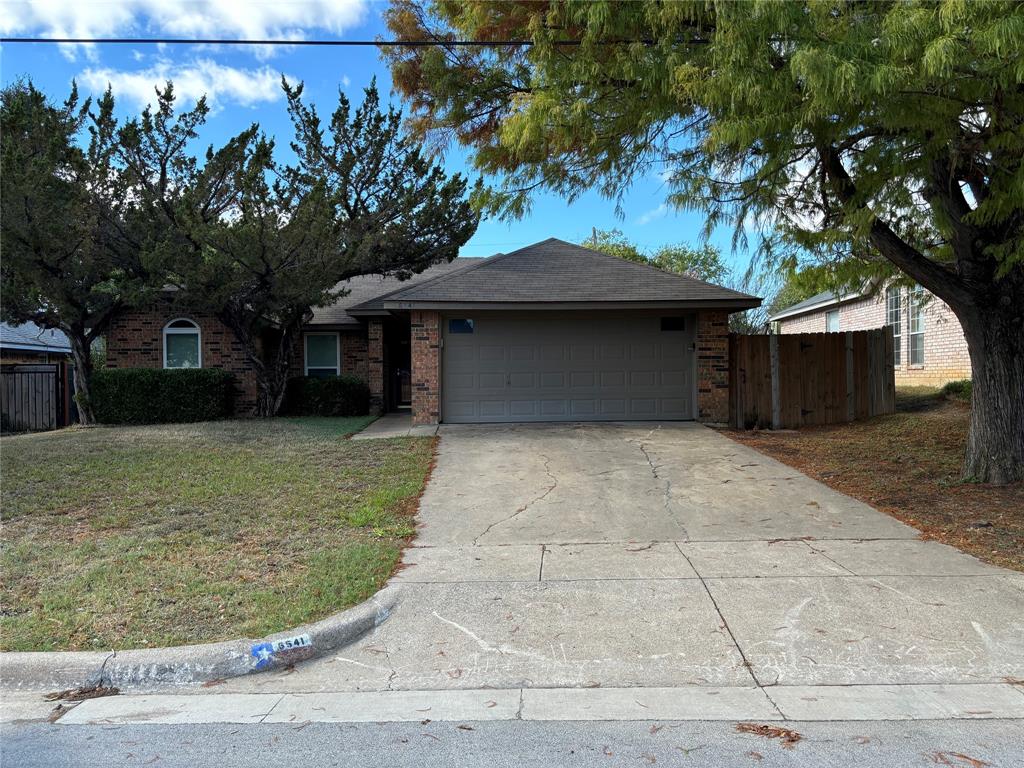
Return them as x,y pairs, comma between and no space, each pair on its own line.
785,381
35,397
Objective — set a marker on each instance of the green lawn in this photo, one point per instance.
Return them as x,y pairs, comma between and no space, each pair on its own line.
124,537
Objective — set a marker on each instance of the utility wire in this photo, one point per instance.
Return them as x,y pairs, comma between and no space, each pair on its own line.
338,43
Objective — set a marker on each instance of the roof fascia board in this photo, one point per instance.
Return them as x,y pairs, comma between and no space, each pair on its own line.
731,304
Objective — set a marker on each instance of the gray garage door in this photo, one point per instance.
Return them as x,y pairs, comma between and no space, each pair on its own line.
566,367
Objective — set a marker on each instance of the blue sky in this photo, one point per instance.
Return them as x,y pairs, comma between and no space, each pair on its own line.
242,85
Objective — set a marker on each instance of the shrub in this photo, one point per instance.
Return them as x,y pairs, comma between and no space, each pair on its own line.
958,390
343,395
160,396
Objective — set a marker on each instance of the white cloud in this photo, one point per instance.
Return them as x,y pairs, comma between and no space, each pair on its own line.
653,215
249,19
219,83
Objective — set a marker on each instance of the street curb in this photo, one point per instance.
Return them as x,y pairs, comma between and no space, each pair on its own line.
59,670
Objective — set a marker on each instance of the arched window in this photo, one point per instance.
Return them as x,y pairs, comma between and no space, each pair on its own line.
181,345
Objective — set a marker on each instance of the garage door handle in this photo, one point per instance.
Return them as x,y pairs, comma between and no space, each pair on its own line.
508,379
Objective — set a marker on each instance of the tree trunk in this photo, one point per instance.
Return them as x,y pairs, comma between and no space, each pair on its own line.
81,353
995,442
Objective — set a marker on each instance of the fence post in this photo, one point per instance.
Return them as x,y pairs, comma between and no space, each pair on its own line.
851,382
773,351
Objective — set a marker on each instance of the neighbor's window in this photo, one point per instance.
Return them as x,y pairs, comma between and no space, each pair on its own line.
322,358
915,312
832,321
460,325
673,323
181,345
894,320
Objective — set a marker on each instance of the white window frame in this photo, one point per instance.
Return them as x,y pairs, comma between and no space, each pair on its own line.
829,313
915,305
195,329
897,326
305,351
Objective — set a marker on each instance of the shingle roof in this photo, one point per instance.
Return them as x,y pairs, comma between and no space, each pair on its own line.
366,289
31,337
556,272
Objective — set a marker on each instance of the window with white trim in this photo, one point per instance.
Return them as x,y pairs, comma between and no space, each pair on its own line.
832,321
323,355
182,344
915,316
893,318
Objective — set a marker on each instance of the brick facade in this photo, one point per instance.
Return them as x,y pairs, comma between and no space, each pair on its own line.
375,364
426,366
713,366
945,348
135,340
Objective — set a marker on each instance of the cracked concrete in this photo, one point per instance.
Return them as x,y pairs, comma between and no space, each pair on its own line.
665,556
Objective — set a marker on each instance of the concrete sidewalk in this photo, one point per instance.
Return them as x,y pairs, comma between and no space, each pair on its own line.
394,425
820,703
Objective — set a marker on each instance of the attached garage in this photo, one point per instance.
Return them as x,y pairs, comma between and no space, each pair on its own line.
567,366
558,332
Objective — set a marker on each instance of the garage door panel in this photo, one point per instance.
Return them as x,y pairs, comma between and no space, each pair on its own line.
643,408
491,380
567,367
582,408
522,380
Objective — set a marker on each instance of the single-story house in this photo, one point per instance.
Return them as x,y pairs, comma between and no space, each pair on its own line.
930,348
550,332
28,344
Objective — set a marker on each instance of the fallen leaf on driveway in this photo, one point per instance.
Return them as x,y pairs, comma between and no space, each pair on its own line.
490,704
943,758
786,737
463,727
755,756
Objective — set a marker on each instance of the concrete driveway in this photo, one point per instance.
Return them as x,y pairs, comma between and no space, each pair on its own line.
665,556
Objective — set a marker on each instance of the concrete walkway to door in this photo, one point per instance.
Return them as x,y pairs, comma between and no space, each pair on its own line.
666,555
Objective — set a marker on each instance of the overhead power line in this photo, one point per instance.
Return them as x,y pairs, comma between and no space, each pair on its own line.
336,43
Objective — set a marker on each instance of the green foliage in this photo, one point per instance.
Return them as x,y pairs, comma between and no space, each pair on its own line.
69,232
807,120
161,396
704,263
959,390
343,395
615,243
261,243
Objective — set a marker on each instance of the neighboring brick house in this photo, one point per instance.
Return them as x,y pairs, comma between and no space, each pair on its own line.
551,332
930,347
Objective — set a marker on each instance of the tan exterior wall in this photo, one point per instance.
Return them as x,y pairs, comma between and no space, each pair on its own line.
945,348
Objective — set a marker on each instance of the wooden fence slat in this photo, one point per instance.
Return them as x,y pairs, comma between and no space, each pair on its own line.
792,380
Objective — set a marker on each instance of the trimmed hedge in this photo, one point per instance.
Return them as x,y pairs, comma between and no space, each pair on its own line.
160,396
343,395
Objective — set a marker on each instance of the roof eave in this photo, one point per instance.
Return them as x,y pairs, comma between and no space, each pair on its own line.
733,305
796,312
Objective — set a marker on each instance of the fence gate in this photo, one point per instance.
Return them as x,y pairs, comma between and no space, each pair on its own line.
34,397
793,380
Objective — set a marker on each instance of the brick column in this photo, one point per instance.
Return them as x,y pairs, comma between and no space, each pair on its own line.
426,366
713,366
375,365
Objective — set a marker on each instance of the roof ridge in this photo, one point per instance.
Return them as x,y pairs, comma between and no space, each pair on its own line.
431,280
459,271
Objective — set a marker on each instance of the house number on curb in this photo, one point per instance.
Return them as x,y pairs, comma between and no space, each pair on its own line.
265,652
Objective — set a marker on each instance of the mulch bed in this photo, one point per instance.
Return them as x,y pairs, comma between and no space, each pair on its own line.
908,466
